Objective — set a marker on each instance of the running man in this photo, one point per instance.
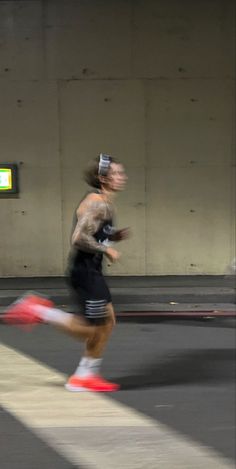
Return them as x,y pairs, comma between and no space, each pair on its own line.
92,235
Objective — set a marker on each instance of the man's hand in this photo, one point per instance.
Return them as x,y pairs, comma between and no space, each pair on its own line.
112,254
119,235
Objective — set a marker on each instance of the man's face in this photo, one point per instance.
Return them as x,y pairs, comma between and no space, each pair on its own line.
116,177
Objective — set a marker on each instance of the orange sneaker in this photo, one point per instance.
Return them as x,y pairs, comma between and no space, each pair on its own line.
21,312
94,383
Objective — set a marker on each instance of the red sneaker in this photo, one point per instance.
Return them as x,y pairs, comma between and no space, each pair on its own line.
94,383
21,312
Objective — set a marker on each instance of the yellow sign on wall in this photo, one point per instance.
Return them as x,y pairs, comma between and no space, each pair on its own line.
8,179
5,179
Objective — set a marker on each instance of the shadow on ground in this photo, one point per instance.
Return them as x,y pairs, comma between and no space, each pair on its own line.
205,366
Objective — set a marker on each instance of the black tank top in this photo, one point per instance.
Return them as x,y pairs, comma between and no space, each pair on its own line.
102,235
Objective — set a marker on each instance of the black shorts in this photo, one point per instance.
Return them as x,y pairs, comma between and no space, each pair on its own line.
89,291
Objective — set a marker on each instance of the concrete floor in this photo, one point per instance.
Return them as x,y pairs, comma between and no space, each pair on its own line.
181,374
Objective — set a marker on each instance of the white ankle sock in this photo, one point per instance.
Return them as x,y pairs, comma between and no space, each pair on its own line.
82,369
52,315
88,366
94,365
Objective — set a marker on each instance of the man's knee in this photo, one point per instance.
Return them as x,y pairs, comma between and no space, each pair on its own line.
110,323
111,317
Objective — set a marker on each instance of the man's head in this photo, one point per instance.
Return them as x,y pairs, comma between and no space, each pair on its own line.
106,172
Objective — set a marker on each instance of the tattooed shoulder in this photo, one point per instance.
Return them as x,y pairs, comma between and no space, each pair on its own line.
94,206
90,215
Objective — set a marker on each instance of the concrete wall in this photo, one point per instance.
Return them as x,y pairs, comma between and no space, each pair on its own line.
150,81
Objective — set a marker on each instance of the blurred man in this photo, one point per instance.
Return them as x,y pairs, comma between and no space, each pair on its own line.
92,235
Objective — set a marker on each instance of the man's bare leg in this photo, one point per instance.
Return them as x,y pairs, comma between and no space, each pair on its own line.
90,363
95,345
96,337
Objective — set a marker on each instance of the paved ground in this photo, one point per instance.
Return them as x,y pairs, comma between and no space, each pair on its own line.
176,407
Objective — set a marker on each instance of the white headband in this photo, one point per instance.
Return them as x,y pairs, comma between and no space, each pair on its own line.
104,164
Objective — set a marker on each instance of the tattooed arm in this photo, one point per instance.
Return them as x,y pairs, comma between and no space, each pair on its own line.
91,213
